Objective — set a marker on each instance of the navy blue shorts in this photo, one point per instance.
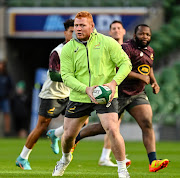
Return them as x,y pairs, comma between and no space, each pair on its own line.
4,105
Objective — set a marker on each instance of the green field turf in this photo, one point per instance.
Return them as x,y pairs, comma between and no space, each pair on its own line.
85,162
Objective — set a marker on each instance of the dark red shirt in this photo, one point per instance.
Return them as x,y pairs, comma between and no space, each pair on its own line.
142,61
54,61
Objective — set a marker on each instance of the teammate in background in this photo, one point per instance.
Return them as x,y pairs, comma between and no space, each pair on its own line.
132,97
83,62
20,104
117,32
6,87
54,98
131,91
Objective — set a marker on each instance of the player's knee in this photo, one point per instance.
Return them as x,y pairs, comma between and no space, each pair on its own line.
147,123
112,132
69,136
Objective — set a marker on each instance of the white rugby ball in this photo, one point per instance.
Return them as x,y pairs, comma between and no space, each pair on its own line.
102,94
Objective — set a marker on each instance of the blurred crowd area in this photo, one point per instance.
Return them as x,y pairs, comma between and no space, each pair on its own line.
14,105
80,3
165,42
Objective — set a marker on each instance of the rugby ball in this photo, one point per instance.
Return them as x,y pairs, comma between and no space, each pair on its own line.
102,94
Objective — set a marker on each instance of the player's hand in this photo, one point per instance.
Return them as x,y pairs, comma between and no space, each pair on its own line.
146,79
89,91
112,85
155,87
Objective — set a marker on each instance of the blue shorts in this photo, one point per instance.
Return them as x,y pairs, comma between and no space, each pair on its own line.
4,105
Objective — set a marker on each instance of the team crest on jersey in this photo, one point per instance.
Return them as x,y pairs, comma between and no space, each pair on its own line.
152,56
141,54
97,46
144,69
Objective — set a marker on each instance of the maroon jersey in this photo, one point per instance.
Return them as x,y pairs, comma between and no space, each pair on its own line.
54,60
142,61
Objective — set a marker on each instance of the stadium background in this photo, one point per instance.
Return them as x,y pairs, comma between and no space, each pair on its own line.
27,47
28,60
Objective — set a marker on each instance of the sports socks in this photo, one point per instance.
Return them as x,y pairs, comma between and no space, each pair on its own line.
78,138
59,131
105,154
66,157
151,156
25,152
121,165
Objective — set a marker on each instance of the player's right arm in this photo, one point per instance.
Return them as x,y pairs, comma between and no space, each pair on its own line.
68,71
134,75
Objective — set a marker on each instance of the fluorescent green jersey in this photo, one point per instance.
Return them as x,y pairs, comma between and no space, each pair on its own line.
92,64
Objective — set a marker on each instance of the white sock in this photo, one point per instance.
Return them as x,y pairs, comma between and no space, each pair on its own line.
66,157
121,165
105,154
25,152
59,131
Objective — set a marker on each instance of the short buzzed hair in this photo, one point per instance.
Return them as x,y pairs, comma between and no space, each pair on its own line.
140,25
116,21
84,14
68,23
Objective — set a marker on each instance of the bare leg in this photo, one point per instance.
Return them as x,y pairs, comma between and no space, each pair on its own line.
144,119
92,130
72,126
37,132
110,124
7,123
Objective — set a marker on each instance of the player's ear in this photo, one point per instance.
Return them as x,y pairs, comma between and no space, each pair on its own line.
124,31
134,35
109,33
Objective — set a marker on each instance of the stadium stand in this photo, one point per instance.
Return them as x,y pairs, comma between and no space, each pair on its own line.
80,3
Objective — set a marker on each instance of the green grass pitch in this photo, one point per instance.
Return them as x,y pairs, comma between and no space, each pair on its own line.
85,162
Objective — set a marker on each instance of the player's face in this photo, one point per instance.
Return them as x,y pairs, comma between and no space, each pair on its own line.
117,31
143,36
68,33
83,28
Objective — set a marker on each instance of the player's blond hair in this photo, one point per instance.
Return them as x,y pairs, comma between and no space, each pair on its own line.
84,14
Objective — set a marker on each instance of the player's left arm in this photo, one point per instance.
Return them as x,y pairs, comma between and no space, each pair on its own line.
54,67
153,82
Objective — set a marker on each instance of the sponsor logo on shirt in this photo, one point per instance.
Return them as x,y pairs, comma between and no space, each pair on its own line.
144,69
97,46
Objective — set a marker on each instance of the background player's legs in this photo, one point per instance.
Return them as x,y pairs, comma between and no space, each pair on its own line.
30,142
90,130
143,115
41,127
7,124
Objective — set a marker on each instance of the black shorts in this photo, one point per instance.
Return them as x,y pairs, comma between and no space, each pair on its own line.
126,102
52,108
76,109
